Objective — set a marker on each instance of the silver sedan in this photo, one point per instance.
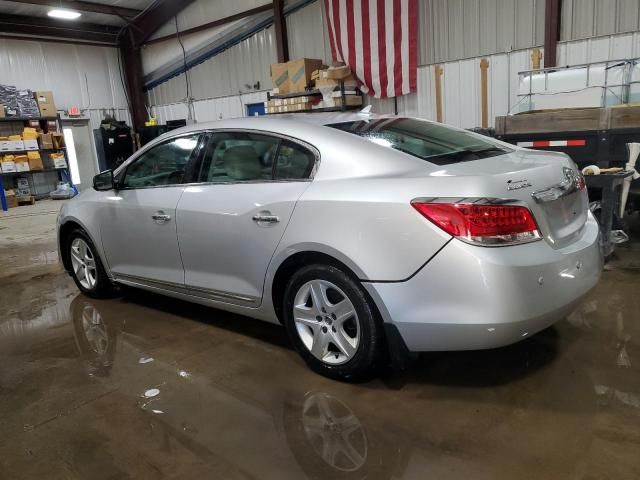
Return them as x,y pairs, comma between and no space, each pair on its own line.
368,237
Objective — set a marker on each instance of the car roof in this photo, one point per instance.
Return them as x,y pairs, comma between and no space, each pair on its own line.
280,122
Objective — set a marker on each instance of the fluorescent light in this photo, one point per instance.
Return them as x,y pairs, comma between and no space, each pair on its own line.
71,153
64,14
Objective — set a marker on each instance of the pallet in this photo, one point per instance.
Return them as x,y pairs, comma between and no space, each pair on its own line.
26,200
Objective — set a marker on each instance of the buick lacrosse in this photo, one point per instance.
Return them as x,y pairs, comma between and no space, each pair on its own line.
367,237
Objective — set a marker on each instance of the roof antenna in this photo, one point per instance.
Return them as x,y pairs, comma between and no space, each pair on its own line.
365,111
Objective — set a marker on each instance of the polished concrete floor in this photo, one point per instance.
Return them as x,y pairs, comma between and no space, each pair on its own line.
147,387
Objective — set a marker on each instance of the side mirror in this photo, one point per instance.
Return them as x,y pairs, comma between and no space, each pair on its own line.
104,181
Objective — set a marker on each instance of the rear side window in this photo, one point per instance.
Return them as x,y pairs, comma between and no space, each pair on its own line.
245,157
433,142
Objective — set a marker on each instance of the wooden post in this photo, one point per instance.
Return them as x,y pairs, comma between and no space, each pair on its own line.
484,65
280,27
536,56
437,71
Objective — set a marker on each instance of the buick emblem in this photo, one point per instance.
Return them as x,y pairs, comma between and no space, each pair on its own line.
517,184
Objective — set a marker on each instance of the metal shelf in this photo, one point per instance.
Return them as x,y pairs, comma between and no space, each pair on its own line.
11,152
35,171
25,119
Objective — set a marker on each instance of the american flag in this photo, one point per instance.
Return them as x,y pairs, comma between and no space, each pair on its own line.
378,39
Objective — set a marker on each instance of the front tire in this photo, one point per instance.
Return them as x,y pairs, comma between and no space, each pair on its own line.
87,270
331,323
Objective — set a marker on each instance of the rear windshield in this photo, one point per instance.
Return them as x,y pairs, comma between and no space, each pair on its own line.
433,142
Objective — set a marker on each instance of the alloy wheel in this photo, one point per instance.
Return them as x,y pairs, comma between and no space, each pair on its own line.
326,322
84,264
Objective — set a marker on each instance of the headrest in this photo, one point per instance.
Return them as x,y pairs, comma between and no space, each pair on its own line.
242,163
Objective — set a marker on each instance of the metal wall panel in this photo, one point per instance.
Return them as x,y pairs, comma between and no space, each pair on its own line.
307,33
78,75
458,29
588,18
226,74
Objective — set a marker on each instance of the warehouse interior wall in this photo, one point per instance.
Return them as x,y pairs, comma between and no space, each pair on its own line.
503,31
78,75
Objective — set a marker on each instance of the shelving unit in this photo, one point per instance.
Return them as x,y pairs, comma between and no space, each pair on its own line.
63,173
315,92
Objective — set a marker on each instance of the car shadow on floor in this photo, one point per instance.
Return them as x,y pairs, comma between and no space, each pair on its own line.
477,369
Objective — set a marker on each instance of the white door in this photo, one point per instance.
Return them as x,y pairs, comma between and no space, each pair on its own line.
230,224
138,221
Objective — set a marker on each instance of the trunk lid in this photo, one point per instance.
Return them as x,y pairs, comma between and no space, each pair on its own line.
547,182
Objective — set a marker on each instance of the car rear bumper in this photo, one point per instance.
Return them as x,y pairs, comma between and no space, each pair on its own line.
470,297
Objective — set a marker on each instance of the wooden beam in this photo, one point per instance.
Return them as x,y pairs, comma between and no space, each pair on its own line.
536,57
484,66
280,26
151,20
83,6
437,72
551,31
215,23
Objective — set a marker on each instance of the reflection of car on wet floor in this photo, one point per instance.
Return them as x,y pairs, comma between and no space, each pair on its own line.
308,429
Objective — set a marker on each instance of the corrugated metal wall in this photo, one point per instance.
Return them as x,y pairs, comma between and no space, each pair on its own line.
225,74
458,29
78,75
589,18
307,31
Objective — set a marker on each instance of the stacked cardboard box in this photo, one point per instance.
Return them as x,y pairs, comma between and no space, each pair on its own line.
292,104
12,200
7,164
293,76
35,161
45,103
58,160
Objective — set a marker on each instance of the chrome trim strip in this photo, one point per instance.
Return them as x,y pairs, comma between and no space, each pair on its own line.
206,293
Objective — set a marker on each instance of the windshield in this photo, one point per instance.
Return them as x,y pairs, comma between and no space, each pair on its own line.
433,142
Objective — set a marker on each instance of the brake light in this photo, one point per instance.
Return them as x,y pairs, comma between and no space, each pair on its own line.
482,224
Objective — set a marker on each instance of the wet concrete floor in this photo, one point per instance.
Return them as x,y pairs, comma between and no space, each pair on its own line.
147,387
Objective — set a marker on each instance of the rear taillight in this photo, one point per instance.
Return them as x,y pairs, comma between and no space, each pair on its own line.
482,224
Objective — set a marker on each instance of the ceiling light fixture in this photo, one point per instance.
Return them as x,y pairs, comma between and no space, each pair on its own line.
64,14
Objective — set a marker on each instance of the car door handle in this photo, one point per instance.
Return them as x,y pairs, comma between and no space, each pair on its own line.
266,218
161,217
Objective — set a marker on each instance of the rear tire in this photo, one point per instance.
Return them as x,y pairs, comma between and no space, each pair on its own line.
87,270
332,323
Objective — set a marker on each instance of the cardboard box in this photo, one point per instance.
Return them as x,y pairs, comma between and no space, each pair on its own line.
8,166
52,126
351,100
48,110
337,73
2,114
45,97
58,160
35,164
5,145
300,71
58,140
22,182
12,200
280,78
30,144
22,166
46,140
17,145
45,102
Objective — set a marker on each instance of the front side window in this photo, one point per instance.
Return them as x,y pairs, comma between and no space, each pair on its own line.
433,142
245,157
164,164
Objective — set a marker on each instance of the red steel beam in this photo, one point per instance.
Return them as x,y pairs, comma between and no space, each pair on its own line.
280,26
551,31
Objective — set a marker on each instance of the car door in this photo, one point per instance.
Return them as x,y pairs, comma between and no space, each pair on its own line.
138,225
231,222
